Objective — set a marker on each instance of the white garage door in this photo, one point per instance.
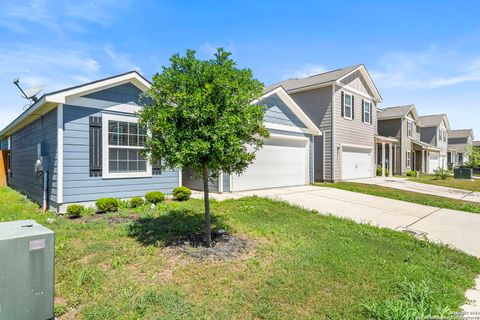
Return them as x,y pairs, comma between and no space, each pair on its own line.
356,163
433,162
280,163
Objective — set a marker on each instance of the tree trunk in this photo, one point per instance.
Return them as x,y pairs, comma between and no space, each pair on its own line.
208,235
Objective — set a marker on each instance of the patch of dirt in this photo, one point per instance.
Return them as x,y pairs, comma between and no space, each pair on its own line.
111,220
225,246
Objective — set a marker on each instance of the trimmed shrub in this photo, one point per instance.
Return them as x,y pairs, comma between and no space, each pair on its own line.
379,171
182,193
107,204
442,174
154,197
411,173
74,210
136,202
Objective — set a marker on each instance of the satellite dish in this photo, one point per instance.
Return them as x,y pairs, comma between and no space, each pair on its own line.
30,93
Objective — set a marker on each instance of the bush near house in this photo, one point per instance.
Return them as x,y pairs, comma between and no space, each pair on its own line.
136,202
154,197
379,171
411,173
442,174
182,193
74,210
107,204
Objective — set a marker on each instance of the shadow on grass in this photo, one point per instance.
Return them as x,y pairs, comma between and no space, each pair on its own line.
174,227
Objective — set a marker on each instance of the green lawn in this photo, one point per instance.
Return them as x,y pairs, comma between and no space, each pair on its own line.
409,196
301,265
451,183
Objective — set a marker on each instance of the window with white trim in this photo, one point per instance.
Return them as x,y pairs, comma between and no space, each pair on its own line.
347,105
125,139
408,158
409,128
367,112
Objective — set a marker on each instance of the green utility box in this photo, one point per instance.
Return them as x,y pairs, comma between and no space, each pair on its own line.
26,271
462,173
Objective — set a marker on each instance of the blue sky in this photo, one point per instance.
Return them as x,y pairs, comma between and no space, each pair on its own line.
421,52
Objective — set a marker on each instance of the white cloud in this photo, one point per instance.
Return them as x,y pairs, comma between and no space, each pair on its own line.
304,71
121,60
208,49
431,68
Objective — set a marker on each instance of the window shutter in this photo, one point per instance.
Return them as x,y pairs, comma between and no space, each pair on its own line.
363,110
343,104
95,146
353,107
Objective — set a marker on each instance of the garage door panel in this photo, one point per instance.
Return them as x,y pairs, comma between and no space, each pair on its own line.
356,163
280,163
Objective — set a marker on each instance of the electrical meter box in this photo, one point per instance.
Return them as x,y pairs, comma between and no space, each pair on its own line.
26,271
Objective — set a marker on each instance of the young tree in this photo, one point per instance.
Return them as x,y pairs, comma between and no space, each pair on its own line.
473,155
200,114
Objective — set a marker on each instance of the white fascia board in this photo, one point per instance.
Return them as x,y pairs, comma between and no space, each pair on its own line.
367,78
132,77
287,137
283,127
297,111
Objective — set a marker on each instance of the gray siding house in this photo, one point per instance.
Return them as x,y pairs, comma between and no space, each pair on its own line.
343,105
459,142
403,124
90,138
434,131
84,143
286,158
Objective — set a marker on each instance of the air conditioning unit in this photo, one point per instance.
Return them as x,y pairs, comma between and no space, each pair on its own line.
26,271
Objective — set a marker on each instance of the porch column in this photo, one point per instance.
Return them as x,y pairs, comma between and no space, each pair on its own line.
394,157
383,159
390,160
427,165
423,161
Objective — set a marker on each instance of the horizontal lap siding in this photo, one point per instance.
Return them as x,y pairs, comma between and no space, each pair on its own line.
353,132
317,105
24,155
278,112
78,185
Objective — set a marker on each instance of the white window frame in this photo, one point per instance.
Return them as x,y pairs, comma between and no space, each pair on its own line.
409,155
345,94
370,105
105,150
409,128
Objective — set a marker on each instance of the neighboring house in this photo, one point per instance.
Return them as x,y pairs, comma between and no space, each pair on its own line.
286,158
434,130
459,142
89,139
476,144
343,105
403,124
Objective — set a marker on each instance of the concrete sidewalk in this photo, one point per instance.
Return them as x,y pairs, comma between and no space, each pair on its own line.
404,184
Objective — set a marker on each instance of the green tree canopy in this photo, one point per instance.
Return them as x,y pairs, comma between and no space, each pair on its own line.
201,115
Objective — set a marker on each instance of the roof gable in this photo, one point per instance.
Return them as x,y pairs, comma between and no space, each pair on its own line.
281,107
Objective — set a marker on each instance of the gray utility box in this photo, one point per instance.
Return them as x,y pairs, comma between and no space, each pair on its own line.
462,173
26,271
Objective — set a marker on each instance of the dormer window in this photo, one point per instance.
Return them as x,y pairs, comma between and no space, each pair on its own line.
409,128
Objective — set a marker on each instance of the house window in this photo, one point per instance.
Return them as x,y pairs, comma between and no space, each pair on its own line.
409,128
122,152
445,136
408,158
367,112
347,106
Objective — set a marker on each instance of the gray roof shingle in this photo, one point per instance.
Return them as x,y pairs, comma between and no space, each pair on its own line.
393,112
460,133
432,120
294,83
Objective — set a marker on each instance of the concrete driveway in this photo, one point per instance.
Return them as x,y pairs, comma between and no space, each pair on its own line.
404,184
456,228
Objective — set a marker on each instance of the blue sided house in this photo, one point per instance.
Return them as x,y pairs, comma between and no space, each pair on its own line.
84,143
